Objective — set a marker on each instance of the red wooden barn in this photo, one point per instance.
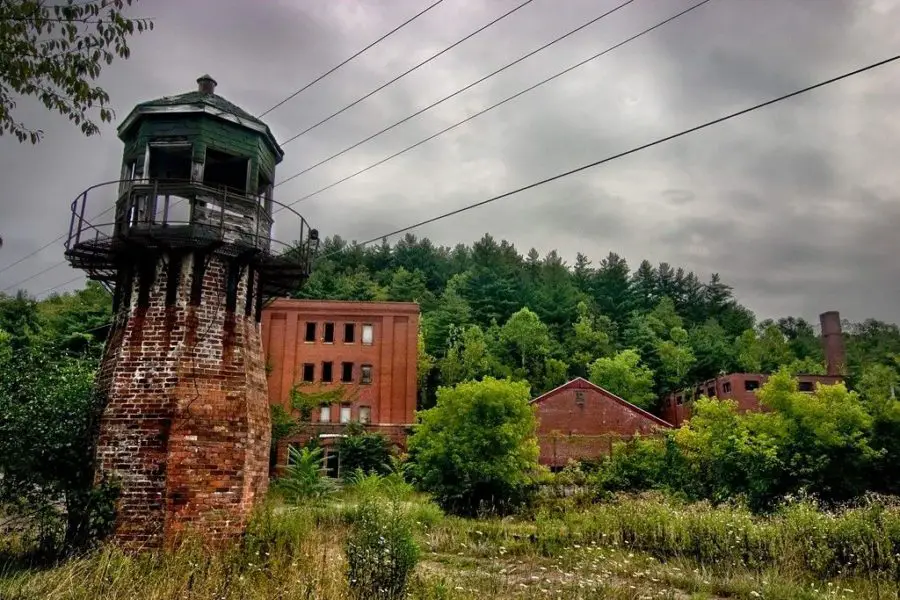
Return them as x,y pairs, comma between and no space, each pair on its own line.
581,420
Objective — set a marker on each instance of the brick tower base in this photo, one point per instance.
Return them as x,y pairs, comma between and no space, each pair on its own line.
185,430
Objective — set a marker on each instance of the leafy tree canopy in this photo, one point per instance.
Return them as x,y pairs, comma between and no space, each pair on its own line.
477,449
625,376
55,53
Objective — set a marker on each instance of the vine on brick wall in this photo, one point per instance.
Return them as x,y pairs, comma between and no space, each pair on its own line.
308,398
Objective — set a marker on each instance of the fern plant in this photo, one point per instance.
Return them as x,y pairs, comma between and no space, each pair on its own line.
303,477
370,485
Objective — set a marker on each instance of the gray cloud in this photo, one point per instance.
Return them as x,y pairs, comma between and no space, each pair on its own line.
795,205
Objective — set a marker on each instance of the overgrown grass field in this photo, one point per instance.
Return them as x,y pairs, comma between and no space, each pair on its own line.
627,547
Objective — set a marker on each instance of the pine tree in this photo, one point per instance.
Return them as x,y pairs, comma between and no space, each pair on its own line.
555,296
645,286
611,288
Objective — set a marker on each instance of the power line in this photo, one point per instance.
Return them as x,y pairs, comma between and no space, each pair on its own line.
631,151
613,157
407,72
48,244
456,93
502,102
30,277
335,68
307,86
30,254
41,249
56,287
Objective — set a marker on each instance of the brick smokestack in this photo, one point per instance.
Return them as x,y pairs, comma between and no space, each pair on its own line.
833,342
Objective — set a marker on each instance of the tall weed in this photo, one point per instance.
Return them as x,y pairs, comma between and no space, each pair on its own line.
381,551
800,536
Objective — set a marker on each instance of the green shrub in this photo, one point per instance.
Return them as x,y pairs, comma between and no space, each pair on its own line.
49,414
635,465
381,551
811,443
476,449
369,452
426,514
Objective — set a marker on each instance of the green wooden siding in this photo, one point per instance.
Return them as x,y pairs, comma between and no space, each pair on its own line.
204,131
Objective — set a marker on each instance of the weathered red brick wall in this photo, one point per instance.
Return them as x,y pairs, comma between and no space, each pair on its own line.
579,421
392,393
674,413
734,386
186,425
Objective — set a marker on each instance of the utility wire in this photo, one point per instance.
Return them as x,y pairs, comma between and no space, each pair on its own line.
609,158
533,52
407,72
456,93
335,68
32,276
305,87
627,152
30,254
56,287
502,102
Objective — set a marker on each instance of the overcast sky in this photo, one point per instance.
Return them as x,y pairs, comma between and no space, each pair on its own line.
796,205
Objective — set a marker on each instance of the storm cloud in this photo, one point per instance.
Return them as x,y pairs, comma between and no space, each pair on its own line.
796,205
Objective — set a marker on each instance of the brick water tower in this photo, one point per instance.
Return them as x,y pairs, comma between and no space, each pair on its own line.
185,241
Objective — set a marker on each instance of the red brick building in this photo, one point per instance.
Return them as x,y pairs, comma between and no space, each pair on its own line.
580,420
742,387
367,349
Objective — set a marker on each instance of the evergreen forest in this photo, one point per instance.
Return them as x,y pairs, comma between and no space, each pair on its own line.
640,331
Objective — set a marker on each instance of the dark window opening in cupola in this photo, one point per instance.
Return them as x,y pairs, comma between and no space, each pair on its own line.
225,170
170,162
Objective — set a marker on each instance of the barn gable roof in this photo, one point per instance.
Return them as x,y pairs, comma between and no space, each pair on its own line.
580,383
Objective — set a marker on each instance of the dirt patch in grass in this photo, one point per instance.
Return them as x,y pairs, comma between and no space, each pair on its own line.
565,576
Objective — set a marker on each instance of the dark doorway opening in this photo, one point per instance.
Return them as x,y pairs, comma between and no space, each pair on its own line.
332,462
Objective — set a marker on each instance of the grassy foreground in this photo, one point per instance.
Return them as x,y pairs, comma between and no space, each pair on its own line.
630,548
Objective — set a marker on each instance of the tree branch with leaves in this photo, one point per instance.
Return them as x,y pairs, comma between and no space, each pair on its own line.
55,53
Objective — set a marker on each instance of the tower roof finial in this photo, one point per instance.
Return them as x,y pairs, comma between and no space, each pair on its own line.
206,84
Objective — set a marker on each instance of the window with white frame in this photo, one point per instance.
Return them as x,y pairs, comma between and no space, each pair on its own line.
368,334
345,414
325,414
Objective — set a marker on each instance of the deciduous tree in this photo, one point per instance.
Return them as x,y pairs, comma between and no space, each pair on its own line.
589,338
477,448
625,376
469,357
55,53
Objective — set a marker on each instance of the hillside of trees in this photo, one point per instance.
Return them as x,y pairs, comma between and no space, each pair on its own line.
489,310
640,332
